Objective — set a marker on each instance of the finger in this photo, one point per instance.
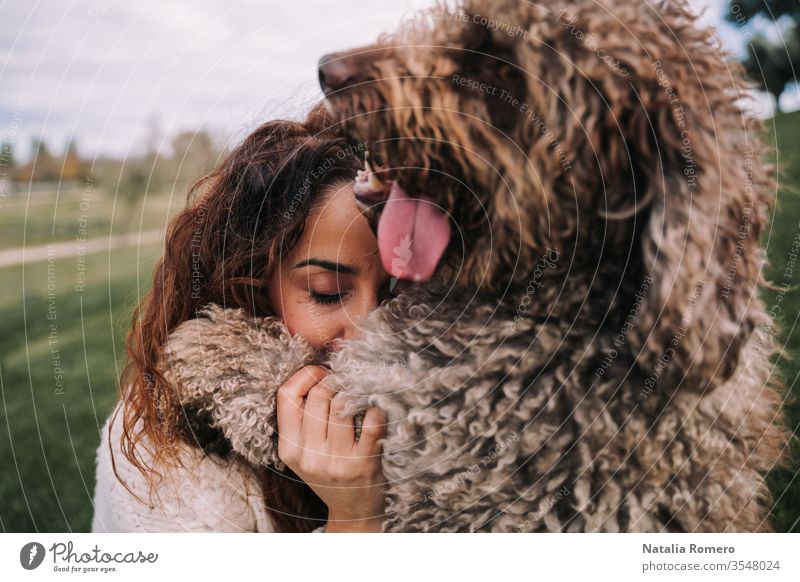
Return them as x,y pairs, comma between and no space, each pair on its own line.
372,429
341,430
290,405
315,416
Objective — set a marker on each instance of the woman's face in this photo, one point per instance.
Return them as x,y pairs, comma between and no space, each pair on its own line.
333,277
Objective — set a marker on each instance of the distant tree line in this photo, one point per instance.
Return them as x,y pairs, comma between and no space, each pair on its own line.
193,153
44,166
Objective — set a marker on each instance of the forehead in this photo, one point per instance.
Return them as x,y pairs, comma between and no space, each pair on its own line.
335,227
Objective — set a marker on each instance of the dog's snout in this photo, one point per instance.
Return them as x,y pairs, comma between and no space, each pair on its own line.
336,72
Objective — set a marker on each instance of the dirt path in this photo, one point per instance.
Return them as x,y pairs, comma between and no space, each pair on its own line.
26,255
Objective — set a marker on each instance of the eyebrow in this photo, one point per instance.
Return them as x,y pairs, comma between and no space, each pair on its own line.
330,265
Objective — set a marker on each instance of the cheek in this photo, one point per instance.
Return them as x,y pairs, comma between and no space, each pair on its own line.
318,324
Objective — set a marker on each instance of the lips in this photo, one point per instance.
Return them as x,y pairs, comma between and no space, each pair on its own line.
413,232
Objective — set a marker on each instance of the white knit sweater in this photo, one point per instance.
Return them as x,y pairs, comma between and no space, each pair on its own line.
210,494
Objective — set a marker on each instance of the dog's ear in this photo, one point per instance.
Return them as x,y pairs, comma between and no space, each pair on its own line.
700,167
665,153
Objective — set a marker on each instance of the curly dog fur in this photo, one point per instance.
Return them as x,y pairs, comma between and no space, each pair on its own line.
592,354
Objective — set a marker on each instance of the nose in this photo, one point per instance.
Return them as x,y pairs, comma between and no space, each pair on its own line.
336,72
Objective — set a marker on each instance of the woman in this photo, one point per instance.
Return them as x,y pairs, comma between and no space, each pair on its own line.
274,230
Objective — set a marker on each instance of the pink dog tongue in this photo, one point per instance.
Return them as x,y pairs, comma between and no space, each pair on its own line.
412,236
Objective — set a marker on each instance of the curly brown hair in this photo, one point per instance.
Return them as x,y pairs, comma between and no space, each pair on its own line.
239,219
653,166
614,133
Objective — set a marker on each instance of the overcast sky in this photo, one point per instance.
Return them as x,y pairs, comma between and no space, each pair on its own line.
102,71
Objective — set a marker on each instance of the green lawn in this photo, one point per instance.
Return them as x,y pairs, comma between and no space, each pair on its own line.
49,433
44,219
785,483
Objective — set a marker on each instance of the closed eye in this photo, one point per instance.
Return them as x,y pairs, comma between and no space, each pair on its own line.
326,298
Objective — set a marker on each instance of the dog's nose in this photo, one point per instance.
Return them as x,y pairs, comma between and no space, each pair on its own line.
335,73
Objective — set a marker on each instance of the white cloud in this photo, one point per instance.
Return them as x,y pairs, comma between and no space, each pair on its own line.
99,69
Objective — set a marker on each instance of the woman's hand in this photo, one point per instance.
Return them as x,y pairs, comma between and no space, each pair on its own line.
322,450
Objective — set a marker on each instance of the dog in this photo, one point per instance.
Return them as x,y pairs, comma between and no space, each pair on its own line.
573,194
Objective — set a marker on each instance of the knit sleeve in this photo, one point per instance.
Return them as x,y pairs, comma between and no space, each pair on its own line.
207,494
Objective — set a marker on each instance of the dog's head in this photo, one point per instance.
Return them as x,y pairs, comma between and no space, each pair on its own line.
611,131
435,142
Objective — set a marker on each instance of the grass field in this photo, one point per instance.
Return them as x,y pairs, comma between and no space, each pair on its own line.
49,432
44,219
785,483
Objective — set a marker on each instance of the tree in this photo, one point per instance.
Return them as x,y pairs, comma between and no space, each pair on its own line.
7,165
7,160
132,179
770,64
43,167
73,167
769,9
193,155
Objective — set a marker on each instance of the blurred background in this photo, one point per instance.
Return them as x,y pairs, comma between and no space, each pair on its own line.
109,109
